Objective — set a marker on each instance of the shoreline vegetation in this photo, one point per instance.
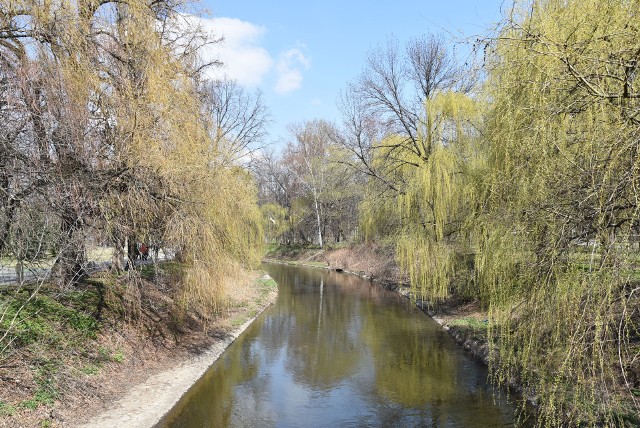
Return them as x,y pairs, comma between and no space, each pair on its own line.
110,137
77,355
511,181
465,321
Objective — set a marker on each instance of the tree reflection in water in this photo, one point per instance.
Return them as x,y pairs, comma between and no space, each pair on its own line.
336,350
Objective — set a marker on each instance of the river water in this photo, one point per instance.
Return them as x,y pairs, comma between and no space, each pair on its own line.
338,351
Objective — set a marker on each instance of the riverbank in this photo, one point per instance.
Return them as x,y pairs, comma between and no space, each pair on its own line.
133,360
463,319
147,403
467,324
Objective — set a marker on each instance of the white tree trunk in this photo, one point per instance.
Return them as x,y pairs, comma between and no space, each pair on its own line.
315,200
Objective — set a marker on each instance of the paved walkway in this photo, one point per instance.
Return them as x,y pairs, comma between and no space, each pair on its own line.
9,275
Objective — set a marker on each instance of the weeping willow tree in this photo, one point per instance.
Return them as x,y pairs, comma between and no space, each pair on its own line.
183,190
430,216
274,221
438,203
535,211
557,240
410,126
114,132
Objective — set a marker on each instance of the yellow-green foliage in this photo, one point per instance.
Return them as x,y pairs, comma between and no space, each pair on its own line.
147,133
274,221
205,210
219,237
429,217
377,214
555,260
428,206
534,208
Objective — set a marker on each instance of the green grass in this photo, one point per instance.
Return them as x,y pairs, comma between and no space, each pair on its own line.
469,322
57,331
7,409
169,267
107,354
146,271
470,328
46,320
289,251
118,357
270,248
51,327
315,264
238,321
91,369
267,283
42,397
47,392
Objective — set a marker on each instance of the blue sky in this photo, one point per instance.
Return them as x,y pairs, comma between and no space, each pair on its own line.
301,54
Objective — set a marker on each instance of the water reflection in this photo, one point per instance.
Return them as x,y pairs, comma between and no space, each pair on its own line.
337,351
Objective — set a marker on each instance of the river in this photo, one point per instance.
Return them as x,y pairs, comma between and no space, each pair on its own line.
338,351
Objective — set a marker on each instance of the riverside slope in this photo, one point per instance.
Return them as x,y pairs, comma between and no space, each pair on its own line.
146,404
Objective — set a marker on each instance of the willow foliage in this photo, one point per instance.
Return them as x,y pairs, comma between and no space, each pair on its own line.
438,203
529,202
557,259
115,128
204,208
218,235
429,217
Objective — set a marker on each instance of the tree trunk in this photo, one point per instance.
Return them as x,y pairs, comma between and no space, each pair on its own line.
68,268
117,259
132,250
315,201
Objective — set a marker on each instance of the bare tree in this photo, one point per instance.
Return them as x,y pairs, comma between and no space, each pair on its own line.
384,108
362,131
276,182
238,118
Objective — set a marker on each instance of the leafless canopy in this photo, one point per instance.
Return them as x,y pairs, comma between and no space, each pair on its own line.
239,118
388,100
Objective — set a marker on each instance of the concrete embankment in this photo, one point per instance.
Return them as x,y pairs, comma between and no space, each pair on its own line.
146,404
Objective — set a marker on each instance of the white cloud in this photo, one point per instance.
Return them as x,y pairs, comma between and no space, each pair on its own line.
289,68
243,58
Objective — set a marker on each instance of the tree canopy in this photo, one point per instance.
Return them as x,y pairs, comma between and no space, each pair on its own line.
105,138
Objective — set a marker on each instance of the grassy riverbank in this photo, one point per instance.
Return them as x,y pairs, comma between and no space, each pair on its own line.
66,355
